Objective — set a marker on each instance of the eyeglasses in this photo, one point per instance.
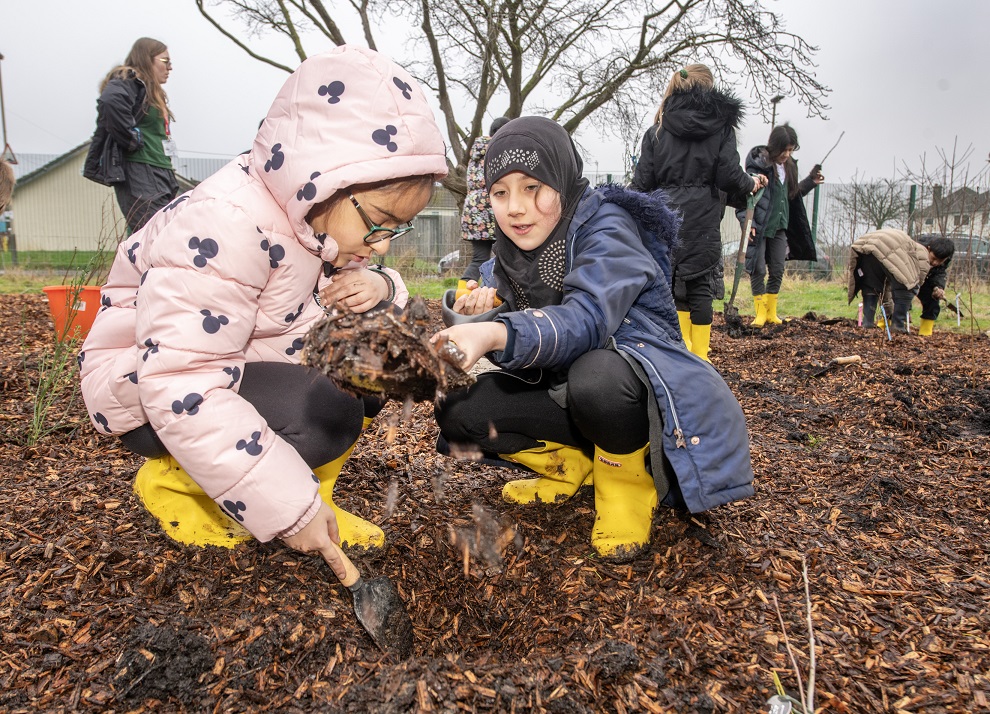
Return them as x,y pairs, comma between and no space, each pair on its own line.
167,61
376,233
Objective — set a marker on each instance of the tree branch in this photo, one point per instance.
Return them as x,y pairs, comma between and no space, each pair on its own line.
232,38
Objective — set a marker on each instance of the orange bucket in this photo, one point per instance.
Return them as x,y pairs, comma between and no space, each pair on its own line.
69,317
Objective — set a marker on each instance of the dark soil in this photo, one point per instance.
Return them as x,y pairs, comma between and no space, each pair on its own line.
873,476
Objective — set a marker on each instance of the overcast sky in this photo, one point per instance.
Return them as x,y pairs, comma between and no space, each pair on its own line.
907,77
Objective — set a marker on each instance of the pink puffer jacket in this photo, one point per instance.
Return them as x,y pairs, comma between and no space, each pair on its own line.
224,275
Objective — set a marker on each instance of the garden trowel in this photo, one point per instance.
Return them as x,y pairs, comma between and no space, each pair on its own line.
379,609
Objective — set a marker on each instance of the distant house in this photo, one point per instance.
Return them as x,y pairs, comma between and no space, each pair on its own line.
55,209
963,212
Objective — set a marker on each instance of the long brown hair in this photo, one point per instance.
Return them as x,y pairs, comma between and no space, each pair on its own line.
692,75
141,61
781,137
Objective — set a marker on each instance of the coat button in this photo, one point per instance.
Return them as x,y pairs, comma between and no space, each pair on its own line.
695,440
640,345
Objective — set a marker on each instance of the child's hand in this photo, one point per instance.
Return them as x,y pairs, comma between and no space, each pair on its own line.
477,301
315,537
357,290
474,339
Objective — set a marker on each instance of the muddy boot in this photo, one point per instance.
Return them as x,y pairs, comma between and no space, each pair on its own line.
564,469
625,499
356,534
185,512
684,320
898,321
761,311
870,302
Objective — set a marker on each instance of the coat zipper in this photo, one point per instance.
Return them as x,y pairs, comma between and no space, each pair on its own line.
678,433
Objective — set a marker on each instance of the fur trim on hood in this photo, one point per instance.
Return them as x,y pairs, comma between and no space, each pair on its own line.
701,112
663,225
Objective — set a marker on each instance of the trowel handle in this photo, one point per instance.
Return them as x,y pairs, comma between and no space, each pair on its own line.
351,573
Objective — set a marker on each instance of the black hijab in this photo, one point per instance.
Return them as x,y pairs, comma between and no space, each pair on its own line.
540,148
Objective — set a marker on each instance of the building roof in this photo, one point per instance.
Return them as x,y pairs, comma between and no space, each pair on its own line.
53,163
962,200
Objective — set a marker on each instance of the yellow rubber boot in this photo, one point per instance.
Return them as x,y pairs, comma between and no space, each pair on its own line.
185,512
355,532
701,338
564,470
926,327
625,499
684,319
770,300
760,305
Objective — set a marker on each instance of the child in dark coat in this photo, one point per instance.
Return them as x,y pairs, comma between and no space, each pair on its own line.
691,154
596,385
780,231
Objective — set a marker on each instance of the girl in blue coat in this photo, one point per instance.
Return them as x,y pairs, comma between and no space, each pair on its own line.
596,386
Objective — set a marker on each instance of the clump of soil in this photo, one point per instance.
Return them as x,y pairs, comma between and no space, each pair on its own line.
381,353
162,662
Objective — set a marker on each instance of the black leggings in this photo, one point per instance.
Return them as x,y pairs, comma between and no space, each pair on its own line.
695,296
299,403
503,414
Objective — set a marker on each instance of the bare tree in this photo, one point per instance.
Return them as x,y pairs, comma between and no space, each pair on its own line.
950,200
875,202
600,61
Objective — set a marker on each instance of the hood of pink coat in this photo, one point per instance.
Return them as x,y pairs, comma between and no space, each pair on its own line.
344,117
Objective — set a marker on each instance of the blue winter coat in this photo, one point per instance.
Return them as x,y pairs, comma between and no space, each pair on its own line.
617,295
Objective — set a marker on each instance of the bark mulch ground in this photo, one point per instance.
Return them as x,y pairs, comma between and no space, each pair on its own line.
873,476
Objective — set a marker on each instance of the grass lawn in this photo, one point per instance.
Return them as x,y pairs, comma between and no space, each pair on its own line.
798,296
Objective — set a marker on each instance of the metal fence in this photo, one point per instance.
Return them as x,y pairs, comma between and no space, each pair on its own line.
61,212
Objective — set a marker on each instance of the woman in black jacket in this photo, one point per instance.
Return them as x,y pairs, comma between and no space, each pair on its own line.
780,230
132,147
691,154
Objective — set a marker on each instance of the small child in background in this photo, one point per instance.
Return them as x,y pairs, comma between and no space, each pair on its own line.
194,360
596,386
690,152
891,258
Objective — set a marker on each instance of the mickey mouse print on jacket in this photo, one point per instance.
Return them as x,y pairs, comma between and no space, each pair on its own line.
225,275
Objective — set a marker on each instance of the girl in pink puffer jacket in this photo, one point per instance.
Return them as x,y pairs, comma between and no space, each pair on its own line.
193,361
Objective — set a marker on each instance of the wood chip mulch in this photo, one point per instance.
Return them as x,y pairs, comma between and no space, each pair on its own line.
872,474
